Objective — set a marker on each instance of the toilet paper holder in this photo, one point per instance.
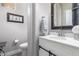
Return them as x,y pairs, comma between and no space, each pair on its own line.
15,42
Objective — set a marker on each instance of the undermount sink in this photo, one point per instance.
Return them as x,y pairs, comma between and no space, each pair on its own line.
23,45
57,37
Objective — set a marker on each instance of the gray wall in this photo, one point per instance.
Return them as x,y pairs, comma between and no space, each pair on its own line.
10,31
41,9
31,29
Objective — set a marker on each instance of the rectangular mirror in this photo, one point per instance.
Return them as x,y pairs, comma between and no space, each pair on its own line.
61,15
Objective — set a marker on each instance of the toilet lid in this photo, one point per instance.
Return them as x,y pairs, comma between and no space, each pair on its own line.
24,45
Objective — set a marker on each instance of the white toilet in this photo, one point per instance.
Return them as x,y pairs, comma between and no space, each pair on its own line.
24,46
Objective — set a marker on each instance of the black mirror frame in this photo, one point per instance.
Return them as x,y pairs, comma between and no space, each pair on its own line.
63,27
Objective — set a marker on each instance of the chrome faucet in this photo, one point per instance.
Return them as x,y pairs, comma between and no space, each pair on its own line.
61,33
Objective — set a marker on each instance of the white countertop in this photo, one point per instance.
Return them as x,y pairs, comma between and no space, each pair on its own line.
64,40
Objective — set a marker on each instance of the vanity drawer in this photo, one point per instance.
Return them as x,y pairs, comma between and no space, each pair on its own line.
58,48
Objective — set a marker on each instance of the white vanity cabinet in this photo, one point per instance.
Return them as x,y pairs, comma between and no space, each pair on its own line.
57,48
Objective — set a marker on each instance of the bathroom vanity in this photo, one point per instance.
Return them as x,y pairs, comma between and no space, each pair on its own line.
63,17
58,46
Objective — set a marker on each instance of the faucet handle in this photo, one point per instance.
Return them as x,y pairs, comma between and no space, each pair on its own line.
59,33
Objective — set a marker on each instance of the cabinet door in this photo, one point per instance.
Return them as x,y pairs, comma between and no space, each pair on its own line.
43,52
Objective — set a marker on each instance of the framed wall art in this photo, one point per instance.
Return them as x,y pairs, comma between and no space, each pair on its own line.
15,18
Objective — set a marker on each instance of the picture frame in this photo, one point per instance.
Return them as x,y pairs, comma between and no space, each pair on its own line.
15,18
